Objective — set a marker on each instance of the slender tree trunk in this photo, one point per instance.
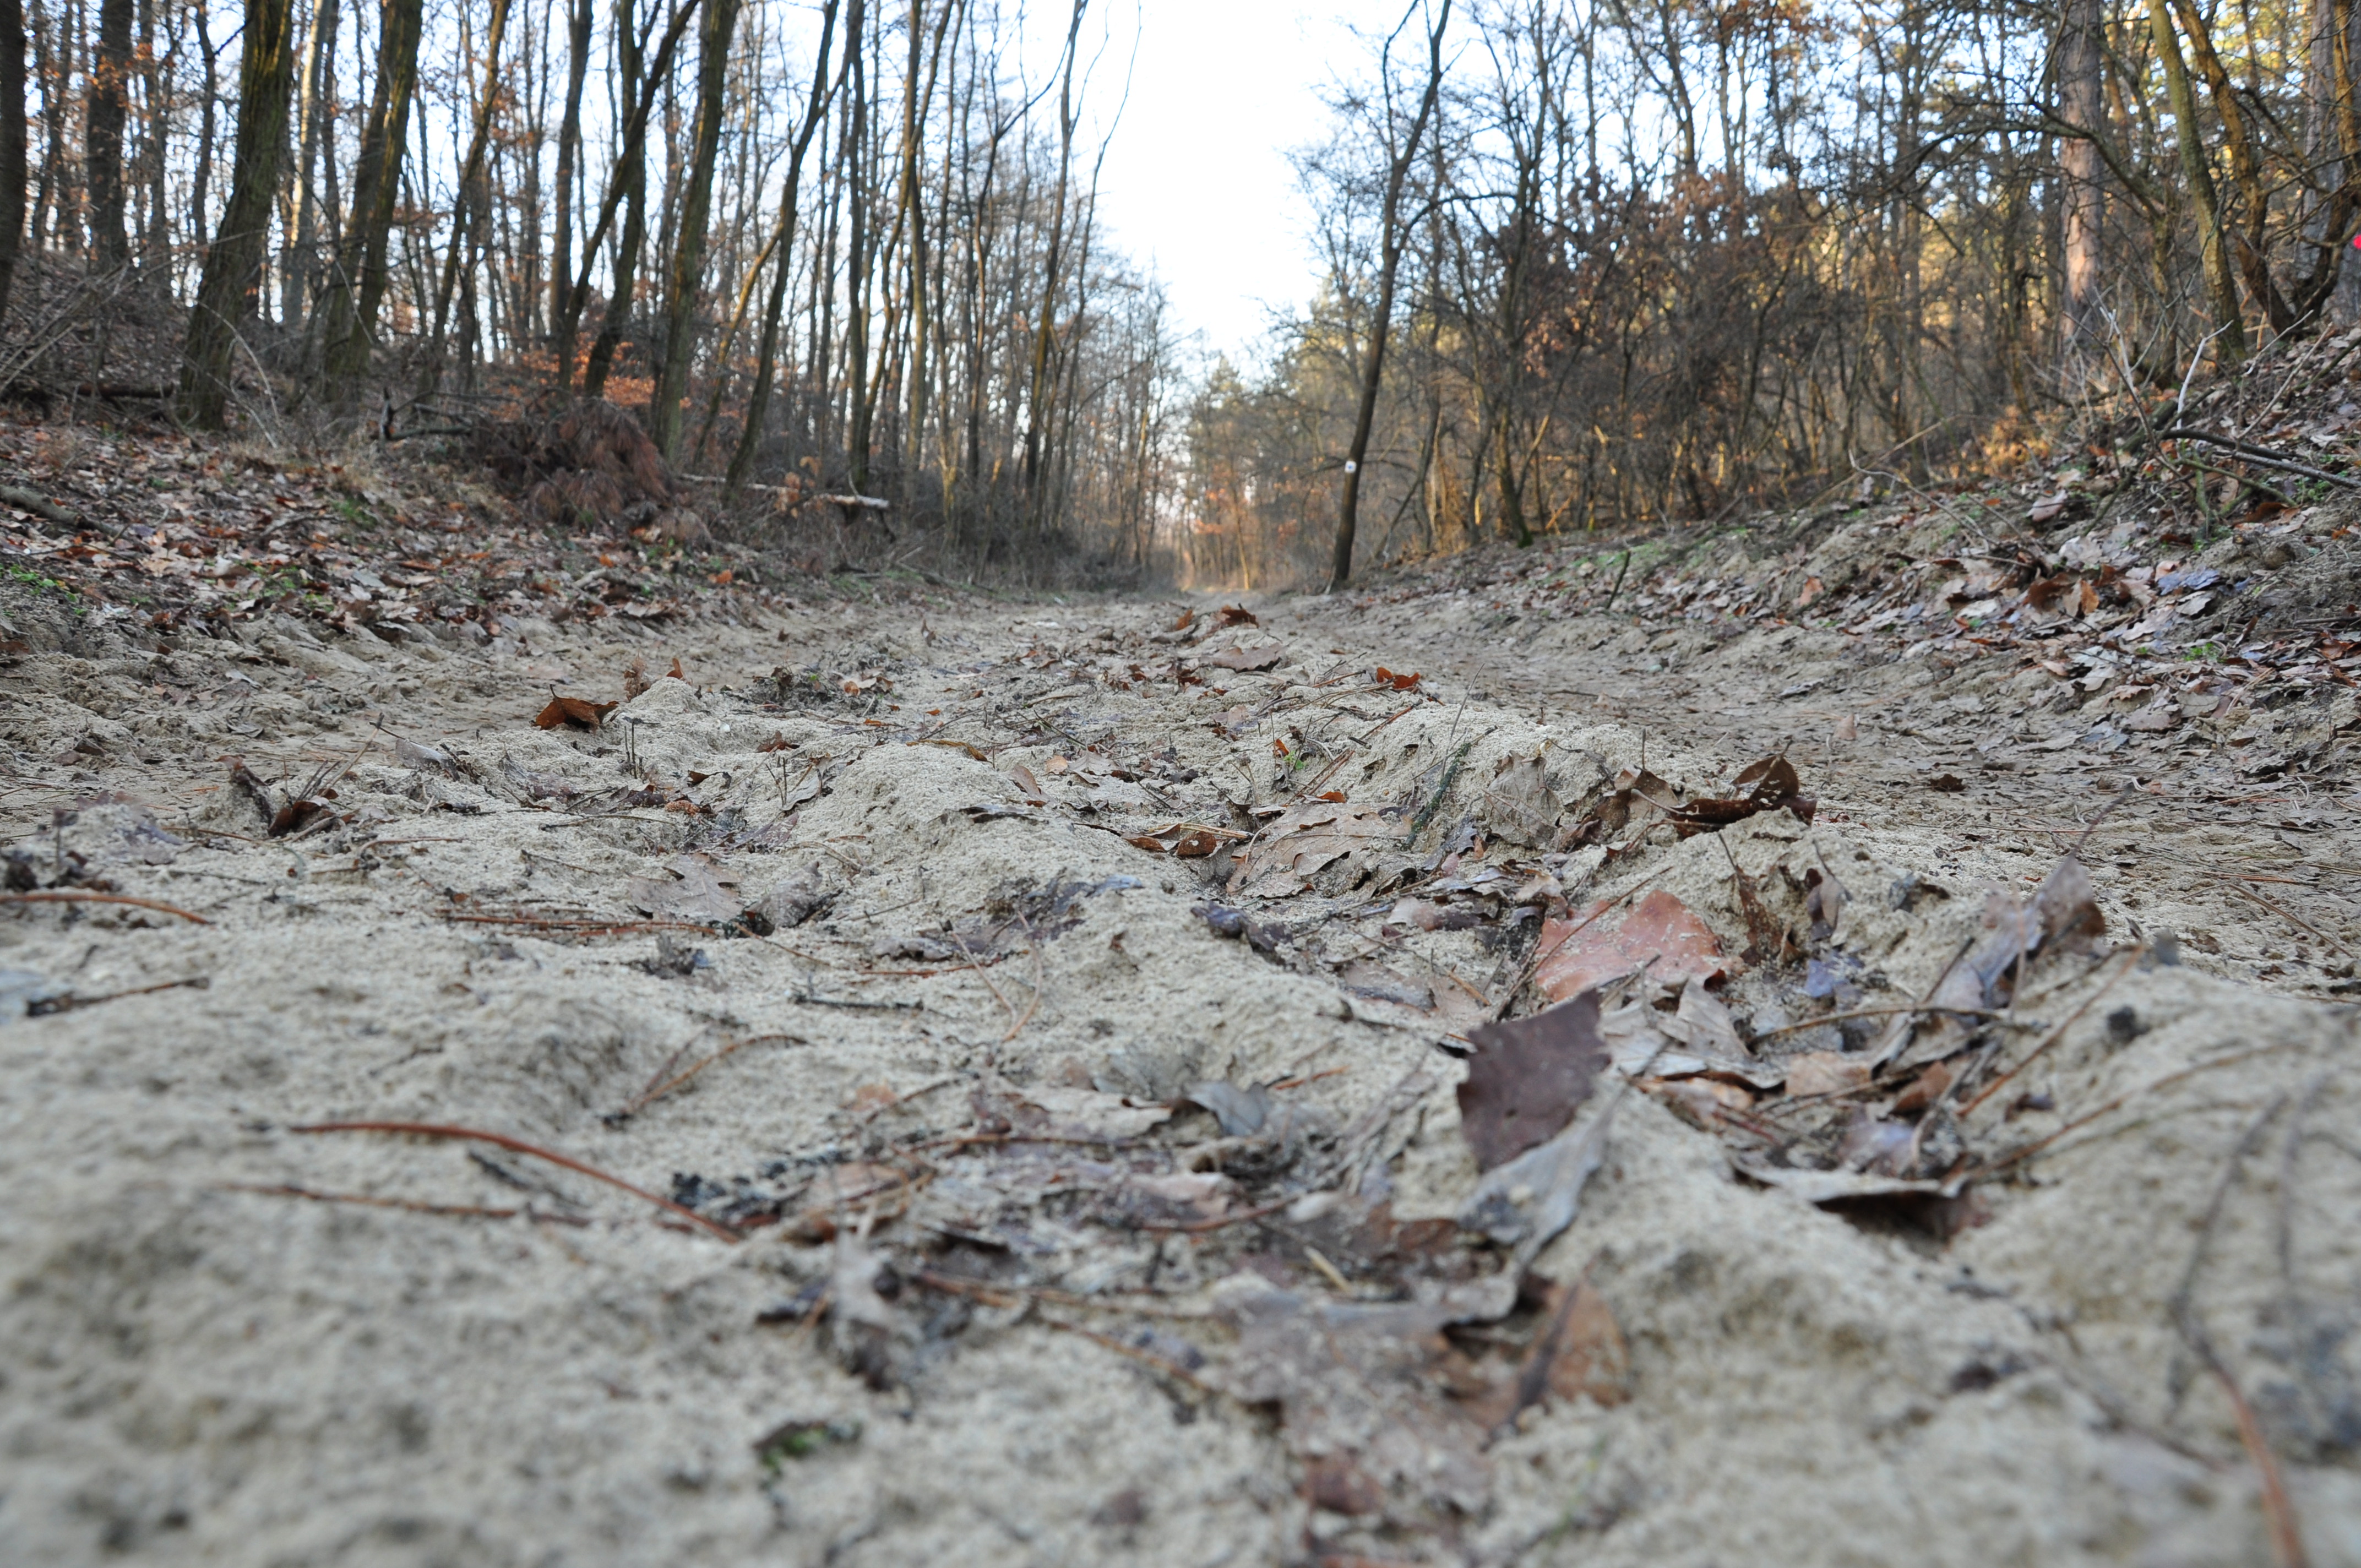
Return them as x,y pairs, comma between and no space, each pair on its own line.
1044,327
856,265
466,237
201,182
266,75
570,151
634,188
690,242
2199,177
2081,62
2245,173
628,178
110,71
783,250
318,73
12,144
358,286
1391,242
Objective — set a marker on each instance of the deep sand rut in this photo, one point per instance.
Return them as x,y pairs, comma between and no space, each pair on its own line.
199,1363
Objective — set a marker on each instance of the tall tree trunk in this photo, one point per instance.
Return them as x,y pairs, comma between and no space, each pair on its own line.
1045,325
628,178
266,76
466,232
200,183
783,250
2330,197
318,75
2245,173
2082,64
357,286
690,242
12,143
2199,177
569,152
1391,242
110,71
856,265
634,189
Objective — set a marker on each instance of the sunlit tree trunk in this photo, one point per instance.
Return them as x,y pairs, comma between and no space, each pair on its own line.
2081,62
266,76
357,286
690,242
2199,177
1392,239
783,242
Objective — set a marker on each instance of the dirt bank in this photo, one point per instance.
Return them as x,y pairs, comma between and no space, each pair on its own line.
1032,1192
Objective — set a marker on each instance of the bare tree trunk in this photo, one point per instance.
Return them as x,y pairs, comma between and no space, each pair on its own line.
319,70
466,236
856,265
200,183
266,75
634,189
783,245
569,151
2199,176
1391,241
357,286
12,143
110,68
2081,61
628,178
2245,173
690,242
1045,323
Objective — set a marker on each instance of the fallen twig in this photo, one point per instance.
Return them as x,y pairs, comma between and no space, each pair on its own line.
985,1290
69,1004
2263,455
2029,1150
574,927
2055,1035
1198,1227
518,1146
412,1205
1873,1012
648,1097
62,897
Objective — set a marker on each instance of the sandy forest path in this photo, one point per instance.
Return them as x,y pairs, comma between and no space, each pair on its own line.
1047,1049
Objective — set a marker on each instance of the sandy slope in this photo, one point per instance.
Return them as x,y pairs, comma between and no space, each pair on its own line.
193,1368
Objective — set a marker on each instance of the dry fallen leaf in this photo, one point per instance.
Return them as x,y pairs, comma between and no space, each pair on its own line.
1247,659
1528,1078
701,891
575,711
1825,1072
1770,784
1296,844
2062,914
1579,1351
1660,934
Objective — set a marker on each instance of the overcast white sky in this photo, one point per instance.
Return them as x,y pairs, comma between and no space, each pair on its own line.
1197,184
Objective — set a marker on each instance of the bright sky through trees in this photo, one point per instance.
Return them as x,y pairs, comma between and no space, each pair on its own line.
1197,183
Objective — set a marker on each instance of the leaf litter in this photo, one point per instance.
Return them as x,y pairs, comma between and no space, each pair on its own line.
1314,1210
